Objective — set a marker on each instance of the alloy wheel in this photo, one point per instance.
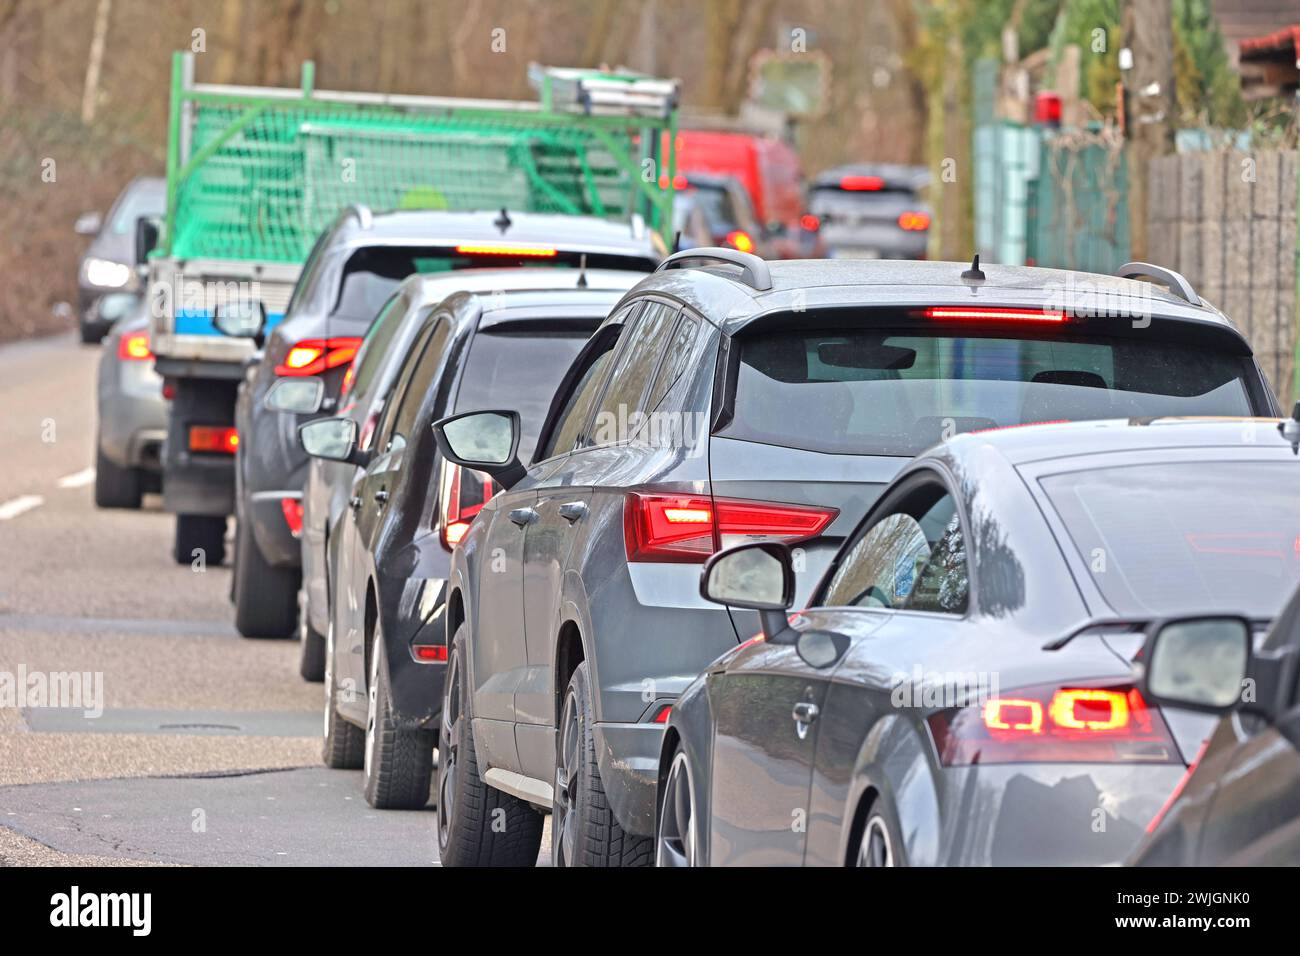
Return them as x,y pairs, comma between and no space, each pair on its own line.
448,749
564,823
675,844
876,849
372,703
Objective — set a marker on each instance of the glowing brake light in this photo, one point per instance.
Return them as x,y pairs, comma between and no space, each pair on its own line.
914,222
991,314
679,182
214,438
490,249
739,239
430,653
1055,724
862,183
134,347
313,356
809,223
675,528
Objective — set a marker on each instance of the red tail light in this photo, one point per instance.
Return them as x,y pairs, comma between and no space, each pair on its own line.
292,509
739,239
679,182
859,184
914,222
134,347
687,529
313,356
216,438
809,222
463,495
663,715
1055,724
974,313
430,653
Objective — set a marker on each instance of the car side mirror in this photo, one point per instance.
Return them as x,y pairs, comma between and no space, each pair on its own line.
146,239
483,441
301,396
241,320
1198,663
88,224
334,439
757,577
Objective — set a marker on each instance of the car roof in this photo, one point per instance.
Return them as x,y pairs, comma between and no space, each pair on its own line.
431,289
808,284
564,232
1025,444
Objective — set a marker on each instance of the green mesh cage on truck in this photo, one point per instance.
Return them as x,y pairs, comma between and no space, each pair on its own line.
255,174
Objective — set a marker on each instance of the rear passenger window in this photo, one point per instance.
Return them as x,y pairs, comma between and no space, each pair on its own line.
638,356
416,381
675,359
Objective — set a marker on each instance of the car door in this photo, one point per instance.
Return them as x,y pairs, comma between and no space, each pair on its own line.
561,509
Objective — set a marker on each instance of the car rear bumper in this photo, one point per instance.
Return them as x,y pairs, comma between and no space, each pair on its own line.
416,685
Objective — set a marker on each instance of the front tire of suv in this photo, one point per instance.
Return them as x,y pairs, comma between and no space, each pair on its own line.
583,829
344,747
478,825
266,598
398,763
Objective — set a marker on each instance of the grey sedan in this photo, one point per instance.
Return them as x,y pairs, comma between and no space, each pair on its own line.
959,690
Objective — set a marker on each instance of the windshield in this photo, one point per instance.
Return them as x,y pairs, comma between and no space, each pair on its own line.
1175,538
142,199
882,392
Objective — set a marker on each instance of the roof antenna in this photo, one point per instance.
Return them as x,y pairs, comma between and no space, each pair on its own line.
974,271
1290,429
582,272
502,221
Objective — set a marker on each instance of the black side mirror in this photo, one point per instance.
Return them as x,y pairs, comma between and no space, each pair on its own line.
483,441
334,439
146,239
757,577
1198,663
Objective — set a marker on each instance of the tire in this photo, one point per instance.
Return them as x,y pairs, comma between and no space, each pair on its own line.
115,486
344,745
199,532
266,598
398,764
478,825
879,843
583,829
311,656
676,835
92,333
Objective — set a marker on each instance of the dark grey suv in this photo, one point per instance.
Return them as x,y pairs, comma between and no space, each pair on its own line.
726,403
351,272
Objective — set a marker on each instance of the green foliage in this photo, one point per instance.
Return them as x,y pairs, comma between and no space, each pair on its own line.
1206,88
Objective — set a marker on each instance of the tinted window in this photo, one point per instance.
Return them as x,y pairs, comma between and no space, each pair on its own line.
578,406
415,383
520,371
373,352
906,561
638,356
1169,538
888,392
675,359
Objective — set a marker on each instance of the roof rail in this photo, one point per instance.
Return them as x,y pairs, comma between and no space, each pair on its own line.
365,218
754,271
1175,281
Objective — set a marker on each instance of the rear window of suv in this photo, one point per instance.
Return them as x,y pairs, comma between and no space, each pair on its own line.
886,392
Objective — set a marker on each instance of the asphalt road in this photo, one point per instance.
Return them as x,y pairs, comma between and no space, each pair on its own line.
207,748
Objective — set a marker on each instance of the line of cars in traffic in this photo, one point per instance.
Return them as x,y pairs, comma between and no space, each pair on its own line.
552,502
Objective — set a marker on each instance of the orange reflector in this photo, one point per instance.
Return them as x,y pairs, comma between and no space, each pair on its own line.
488,249
436,653
217,438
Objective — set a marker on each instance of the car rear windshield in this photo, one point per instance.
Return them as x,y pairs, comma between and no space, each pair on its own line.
519,371
1180,538
883,392
371,275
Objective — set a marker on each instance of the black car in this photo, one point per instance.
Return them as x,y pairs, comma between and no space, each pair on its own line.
1239,803
109,263
729,399
352,270
387,630
959,690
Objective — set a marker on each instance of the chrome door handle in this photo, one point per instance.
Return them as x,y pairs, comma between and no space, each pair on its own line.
571,511
381,496
804,713
523,516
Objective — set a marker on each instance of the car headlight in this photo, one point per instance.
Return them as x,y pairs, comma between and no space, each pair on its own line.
107,274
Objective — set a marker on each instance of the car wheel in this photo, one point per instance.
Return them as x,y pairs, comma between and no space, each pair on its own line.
115,486
266,598
478,825
202,533
676,843
92,333
583,829
344,742
399,762
311,656
876,847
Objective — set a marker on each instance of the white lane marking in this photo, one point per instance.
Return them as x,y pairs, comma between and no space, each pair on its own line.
16,506
78,479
